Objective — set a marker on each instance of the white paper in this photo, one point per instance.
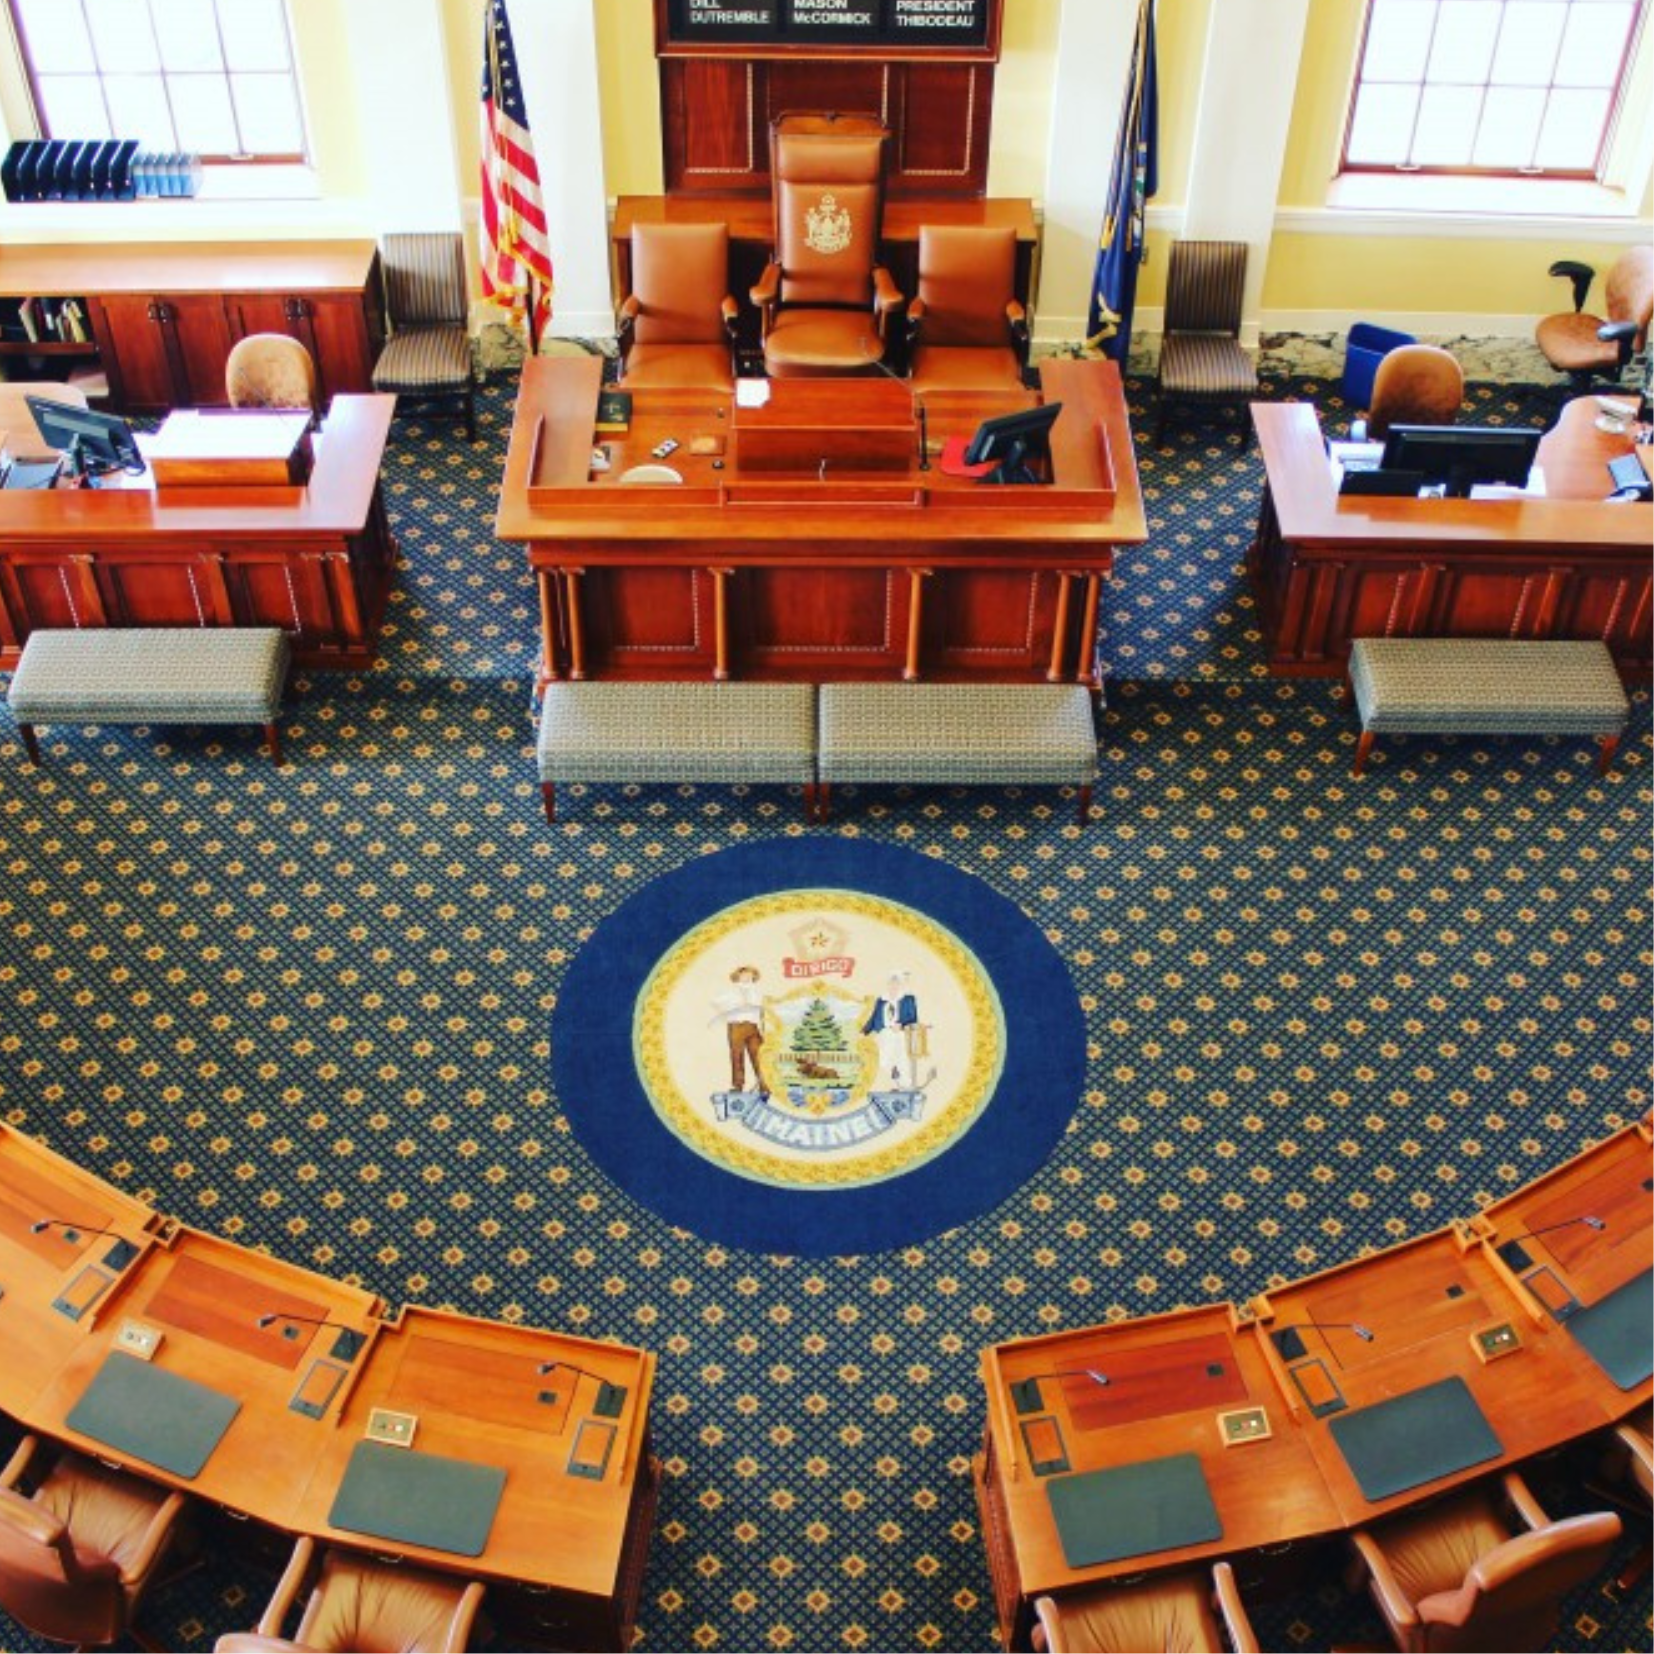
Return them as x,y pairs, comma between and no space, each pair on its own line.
751,393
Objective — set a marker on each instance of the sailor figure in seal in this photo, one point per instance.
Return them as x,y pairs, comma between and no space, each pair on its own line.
740,1008
900,1036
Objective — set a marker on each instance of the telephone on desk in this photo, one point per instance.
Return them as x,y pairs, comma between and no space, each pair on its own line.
1631,481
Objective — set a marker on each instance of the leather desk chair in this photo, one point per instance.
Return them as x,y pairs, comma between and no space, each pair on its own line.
354,1603
1201,357
23,440
1475,1572
1414,385
1588,347
966,329
428,355
270,370
677,325
1186,1610
77,1553
825,301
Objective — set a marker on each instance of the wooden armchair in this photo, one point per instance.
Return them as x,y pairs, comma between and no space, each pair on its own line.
966,328
1201,358
677,325
1187,1609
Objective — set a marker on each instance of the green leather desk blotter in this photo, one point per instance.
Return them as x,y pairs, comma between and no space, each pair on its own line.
1618,1331
153,1415
1416,1438
1131,1509
418,1499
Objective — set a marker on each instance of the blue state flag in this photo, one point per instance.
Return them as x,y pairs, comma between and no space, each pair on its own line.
1132,180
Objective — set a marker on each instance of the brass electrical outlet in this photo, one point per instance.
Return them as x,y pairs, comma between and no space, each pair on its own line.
1245,1424
391,1429
134,1338
1494,1340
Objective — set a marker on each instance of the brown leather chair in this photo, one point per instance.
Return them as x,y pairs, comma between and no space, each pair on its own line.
270,370
1201,357
966,328
677,325
1186,1610
77,1553
17,426
1480,1571
825,301
356,1603
1588,347
1414,385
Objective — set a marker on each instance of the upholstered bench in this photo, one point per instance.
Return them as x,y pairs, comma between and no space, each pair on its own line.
1485,686
677,732
948,733
150,675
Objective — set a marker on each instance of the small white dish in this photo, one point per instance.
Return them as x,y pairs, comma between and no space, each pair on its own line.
651,473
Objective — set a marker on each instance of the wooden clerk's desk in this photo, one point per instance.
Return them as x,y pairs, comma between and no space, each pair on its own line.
811,573
316,561
1326,569
1171,1376
567,1541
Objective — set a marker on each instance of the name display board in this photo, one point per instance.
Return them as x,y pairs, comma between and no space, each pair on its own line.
894,25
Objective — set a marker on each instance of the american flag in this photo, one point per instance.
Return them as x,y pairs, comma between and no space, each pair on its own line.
516,254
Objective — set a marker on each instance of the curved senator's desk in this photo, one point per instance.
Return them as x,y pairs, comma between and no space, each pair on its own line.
1326,569
1477,1325
316,561
773,565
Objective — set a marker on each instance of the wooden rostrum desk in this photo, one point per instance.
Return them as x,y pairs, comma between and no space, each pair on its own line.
1327,569
565,1543
316,561
1171,1377
868,569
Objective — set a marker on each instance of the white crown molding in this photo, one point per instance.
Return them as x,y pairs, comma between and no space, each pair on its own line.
1461,226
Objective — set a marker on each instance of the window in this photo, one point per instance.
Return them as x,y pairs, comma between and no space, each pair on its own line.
1515,87
209,77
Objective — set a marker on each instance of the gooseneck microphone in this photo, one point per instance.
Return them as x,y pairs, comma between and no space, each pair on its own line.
918,402
117,1257
611,1398
1509,1247
1025,1394
1291,1346
346,1346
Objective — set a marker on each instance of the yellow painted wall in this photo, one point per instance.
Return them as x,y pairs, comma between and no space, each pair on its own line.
462,41
629,90
1021,132
329,105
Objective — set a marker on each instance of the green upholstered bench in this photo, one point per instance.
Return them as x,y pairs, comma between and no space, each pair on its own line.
1485,686
649,732
948,733
150,675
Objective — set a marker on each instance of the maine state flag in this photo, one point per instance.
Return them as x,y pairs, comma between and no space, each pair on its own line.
1132,181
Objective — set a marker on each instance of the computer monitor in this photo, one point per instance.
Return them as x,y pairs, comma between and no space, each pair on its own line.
1012,439
91,441
1462,456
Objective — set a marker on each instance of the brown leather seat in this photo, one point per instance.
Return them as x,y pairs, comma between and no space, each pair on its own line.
966,328
355,1603
1202,360
270,370
677,325
1187,1610
825,301
1587,347
1480,1571
1636,1436
1415,385
17,426
77,1553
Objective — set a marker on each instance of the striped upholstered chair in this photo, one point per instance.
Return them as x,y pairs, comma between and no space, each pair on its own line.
428,356
1201,359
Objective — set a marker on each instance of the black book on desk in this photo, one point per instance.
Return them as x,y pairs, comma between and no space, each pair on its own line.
614,411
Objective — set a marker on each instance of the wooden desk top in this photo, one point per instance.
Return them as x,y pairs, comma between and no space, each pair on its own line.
185,267
752,217
476,1390
1572,515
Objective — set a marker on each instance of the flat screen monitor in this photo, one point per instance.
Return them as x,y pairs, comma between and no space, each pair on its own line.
1013,440
91,441
1463,456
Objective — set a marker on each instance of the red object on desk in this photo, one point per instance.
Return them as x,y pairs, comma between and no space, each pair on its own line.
953,459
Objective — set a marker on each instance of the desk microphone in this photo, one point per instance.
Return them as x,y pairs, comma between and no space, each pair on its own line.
1025,1396
1291,1345
917,400
611,1398
346,1346
117,1257
1511,1251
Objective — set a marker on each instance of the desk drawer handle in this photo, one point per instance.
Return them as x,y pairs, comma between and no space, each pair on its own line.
1275,1550
235,1515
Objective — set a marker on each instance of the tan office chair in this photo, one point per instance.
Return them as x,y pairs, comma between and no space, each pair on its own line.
1414,385
428,304
966,329
825,301
17,426
1479,1571
1588,347
1188,1610
1201,359
78,1552
270,370
356,1603
677,325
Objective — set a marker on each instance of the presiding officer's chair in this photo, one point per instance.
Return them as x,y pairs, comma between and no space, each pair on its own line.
1201,357
1188,1610
270,370
966,329
428,355
677,325
825,301
1588,347
354,1602
78,1552
1414,385
1479,1571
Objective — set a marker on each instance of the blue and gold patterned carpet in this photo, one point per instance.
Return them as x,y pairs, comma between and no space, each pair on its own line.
310,1009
